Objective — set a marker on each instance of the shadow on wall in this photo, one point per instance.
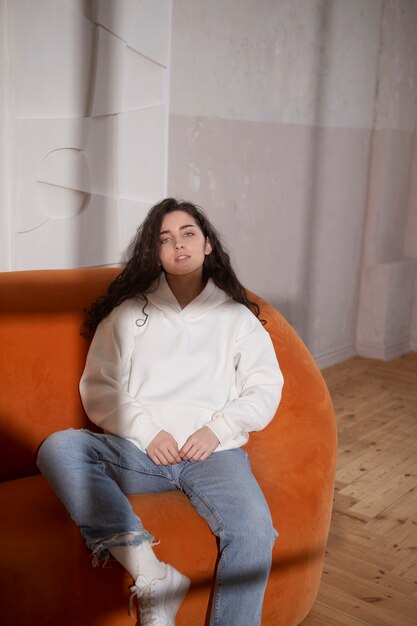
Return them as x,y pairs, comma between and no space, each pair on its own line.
261,169
96,239
303,312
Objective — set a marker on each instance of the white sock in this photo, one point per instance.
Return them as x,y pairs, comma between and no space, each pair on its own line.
139,560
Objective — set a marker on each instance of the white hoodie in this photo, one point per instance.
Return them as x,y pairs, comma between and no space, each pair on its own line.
209,364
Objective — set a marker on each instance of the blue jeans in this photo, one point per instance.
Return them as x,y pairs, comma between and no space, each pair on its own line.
91,473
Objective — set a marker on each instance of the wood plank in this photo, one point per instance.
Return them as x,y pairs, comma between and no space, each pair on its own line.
370,592
367,610
358,566
391,520
365,407
350,429
380,470
377,460
378,557
351,448
406,566
401,421
327,616
388,493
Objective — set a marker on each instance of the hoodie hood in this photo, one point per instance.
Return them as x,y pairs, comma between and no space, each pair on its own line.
162,297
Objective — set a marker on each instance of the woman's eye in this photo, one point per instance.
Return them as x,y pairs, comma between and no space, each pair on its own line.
190,234
164,240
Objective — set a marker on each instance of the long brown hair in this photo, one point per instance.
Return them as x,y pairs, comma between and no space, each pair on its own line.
143,268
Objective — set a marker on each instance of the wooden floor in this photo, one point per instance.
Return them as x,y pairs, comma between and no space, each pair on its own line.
370,573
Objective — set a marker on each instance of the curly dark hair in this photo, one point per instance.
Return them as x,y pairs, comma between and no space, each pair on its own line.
143,268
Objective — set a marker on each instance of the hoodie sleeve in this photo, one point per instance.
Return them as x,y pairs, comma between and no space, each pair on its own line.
259,383
104,383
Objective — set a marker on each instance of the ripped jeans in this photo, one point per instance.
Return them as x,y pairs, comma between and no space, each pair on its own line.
91,473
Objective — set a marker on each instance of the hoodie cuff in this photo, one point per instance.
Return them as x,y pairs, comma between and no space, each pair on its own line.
220,427
145,432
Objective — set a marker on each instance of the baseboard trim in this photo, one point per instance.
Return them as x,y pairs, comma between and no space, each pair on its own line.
384,352
369,350
336,355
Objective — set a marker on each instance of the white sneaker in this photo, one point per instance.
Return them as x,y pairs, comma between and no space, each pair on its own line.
160,599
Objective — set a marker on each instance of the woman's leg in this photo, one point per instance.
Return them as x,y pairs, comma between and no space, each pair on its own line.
224,491
91,473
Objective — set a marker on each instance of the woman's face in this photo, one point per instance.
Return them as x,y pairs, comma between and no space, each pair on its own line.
183,247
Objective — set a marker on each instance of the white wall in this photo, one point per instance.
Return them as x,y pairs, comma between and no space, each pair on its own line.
6,215
272,109
86,125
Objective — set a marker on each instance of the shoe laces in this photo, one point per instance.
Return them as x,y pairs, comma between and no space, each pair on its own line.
146,600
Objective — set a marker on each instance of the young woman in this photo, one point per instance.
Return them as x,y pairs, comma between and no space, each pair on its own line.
179,372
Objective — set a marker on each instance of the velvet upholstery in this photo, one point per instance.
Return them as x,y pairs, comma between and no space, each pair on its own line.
46,576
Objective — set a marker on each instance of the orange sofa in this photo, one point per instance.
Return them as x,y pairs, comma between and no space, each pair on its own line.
46,577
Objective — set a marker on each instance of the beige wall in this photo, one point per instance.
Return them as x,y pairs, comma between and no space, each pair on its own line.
388,295
411,240
292,122
273,111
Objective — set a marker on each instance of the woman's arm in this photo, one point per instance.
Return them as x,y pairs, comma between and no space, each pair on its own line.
259,383
104,383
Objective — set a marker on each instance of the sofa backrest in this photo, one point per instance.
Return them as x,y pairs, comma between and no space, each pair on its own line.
42,356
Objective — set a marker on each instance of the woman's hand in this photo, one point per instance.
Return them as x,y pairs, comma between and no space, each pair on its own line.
199,445
163,449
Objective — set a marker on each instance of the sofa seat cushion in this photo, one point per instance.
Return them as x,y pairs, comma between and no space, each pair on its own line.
53,565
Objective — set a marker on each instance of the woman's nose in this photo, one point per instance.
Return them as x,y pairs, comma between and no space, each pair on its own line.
179,244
